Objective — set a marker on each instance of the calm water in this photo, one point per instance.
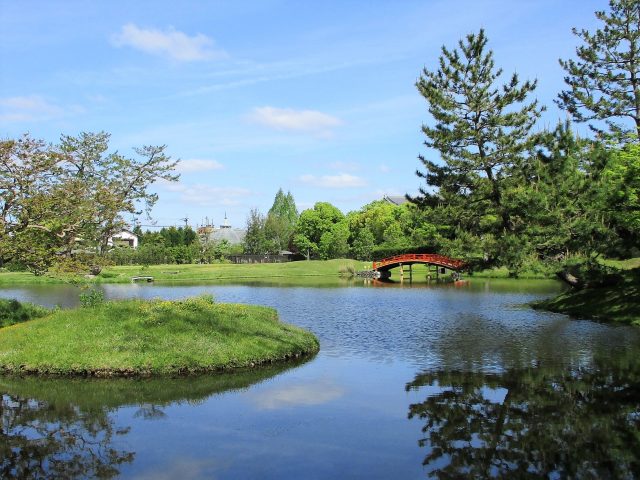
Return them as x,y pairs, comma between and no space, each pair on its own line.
411,382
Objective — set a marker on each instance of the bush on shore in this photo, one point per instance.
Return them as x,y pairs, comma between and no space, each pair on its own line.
13,311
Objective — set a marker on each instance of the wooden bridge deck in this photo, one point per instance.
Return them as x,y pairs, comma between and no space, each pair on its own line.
411,258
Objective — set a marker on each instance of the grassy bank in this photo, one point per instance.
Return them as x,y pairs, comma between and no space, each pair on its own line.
136,337
503,272
619,303
197,273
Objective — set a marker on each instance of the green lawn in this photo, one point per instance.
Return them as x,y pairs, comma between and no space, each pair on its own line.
201,273
136,337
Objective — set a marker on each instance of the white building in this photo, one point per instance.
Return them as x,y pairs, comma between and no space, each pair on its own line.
123,239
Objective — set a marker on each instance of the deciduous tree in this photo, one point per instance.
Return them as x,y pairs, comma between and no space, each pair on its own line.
56,199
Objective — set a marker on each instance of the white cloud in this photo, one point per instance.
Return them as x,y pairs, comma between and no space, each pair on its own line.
344,166
198,165
384,168
32,108
298,395
309,121
172,43
342,180
207,195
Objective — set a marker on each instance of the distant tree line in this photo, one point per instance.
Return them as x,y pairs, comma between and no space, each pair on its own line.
324,232
172,245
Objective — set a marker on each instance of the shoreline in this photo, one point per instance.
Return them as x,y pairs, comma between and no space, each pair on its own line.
144,338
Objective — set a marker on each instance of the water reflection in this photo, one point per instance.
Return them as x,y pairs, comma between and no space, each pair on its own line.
66,428
301,394
579,420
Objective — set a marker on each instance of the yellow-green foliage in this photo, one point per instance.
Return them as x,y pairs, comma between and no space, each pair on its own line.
133,337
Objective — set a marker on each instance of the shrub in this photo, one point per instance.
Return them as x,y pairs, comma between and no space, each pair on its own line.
13,311
91,298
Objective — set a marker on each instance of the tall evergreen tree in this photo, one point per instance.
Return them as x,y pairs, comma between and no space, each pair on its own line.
604,81
481,132
281,220
284,206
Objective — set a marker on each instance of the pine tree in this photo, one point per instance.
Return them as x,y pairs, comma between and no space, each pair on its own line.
481,131
604,81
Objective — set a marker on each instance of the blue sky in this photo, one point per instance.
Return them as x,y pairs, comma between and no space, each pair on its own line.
313,97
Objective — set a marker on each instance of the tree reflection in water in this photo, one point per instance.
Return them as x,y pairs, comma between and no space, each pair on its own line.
64,428
38,440
581,421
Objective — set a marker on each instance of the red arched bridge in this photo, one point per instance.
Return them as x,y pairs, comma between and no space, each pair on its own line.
387,264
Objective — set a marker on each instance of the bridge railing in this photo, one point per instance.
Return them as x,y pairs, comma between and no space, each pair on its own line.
432,258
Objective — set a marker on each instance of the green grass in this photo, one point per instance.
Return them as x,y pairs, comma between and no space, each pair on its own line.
619,303
10,279
503,272
136,337
12,312
199,273
629,264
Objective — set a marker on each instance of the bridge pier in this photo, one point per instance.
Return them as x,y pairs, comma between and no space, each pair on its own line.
436,264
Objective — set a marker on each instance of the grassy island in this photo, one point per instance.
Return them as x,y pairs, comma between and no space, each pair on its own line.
136,337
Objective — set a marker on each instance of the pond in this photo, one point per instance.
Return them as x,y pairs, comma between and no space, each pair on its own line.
412,381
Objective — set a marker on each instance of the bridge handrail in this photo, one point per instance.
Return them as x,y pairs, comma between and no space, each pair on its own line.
432,258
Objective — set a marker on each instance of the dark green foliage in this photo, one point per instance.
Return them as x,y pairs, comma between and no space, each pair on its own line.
179,245
604,81
560,196
273,233
13,311
281,221
538,421
501,196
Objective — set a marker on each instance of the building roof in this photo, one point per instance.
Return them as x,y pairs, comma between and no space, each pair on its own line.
234,236
395,199
125,231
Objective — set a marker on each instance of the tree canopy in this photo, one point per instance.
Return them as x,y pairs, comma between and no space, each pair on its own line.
59,199
481,131
604,81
